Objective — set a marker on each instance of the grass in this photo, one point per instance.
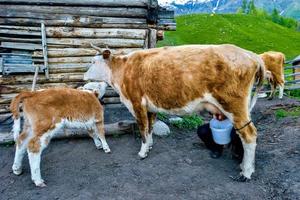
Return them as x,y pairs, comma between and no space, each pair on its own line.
281,113
189,122
247,31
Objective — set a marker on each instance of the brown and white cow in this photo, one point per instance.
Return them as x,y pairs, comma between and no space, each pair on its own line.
45,112
274,63
182,80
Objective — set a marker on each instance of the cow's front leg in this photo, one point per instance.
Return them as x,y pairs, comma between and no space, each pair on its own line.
142,120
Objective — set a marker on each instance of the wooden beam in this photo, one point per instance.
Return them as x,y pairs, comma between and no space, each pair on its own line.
86,42
53,78
110,3
152,38
72,52
61,32
30,10
19,45
44,45
79,21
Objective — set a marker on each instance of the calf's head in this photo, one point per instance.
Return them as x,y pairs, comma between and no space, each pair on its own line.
99,70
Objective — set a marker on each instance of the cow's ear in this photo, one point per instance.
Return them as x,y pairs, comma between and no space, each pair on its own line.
106,54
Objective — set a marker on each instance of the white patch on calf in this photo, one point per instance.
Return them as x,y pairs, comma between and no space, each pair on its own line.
17,128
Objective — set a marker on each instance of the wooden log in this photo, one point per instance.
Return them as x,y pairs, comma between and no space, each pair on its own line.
19,32
86,42
30,10
68,67
53,78
118,128
36,54
44,45
70,52
4,109
61,32
19,45
21,40
26,28
96,22
17,88
110,3
111,100
83,59
152,38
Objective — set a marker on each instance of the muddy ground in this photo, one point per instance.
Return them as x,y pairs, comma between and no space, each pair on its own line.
178,167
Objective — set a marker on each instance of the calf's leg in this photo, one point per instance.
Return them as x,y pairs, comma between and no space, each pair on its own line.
21,144
101,134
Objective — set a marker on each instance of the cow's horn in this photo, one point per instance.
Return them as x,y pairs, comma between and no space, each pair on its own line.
97,48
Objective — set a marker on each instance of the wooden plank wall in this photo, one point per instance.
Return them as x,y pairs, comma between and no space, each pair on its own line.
71,25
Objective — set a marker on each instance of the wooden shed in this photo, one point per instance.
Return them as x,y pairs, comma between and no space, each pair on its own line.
52,39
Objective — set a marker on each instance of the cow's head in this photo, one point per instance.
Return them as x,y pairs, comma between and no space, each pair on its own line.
99,70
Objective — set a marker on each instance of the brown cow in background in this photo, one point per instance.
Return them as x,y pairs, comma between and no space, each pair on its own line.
274,62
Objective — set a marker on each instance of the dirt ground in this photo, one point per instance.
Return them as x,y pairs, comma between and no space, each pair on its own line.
178,167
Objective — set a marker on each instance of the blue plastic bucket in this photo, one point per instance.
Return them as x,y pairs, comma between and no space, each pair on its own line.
221,130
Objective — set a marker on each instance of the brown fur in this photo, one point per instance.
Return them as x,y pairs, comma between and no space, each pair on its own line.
174,76
47,107
43,110
274,62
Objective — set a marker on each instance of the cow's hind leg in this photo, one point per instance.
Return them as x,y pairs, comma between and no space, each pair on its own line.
151,120
248,135
141,115
281,89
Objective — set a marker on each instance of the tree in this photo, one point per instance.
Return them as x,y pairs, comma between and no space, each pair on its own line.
252,8
244,6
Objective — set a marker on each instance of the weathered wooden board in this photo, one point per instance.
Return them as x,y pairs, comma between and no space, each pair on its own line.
30,10
118,128
70,52
19,45
53,78
110,3
86,42
17,88
79,21
61,32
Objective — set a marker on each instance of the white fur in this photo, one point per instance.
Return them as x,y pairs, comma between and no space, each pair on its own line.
35,158
192,107
16,128
99,87
248,163
144,149
281,89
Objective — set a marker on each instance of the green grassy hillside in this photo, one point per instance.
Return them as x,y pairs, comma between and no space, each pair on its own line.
249,32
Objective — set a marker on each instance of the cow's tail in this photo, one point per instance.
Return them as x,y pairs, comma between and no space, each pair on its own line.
14,108
259,79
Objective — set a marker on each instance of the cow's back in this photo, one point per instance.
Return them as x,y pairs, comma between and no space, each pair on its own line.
173,76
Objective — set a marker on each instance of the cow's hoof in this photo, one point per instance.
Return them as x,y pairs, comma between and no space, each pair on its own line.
17,171
142,155
240,178
107,150
40,183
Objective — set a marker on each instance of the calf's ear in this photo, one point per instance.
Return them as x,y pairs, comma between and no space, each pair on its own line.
106,54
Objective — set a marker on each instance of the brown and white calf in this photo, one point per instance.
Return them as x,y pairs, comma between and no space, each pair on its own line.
182,80
45,112
274,63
